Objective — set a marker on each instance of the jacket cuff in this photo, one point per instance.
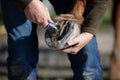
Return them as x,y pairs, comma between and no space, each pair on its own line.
21,4
89,30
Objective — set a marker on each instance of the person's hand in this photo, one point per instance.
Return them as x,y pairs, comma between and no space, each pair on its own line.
80,42
38,13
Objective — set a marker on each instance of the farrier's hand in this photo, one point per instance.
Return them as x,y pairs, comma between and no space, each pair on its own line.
38,13
80,40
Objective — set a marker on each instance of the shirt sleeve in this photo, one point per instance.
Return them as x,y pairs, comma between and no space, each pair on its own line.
93,15
21,4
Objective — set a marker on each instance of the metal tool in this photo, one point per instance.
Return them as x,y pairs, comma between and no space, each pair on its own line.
51,30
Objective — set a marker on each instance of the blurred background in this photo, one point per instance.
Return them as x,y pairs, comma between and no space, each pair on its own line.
54,65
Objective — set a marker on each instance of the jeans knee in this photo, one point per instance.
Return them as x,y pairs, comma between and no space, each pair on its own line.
20,32
32,75
90,75
18,70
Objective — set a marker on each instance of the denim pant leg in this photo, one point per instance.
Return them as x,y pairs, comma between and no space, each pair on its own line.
86,64
22,42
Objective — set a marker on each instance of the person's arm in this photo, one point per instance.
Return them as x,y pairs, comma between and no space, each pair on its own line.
94,13
34,10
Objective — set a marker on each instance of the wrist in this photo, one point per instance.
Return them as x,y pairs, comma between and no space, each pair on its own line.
90,35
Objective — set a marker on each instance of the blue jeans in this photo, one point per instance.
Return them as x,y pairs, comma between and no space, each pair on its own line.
23,48
86,64
22,43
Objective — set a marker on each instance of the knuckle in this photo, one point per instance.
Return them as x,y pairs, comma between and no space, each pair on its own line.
74,52
38,20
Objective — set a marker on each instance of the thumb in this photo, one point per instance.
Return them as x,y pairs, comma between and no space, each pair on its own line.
72,41
45,23
50,20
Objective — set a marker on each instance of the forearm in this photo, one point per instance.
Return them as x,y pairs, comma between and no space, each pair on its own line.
93,14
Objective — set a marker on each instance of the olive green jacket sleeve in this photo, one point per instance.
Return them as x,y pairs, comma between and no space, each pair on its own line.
93,15
21,4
